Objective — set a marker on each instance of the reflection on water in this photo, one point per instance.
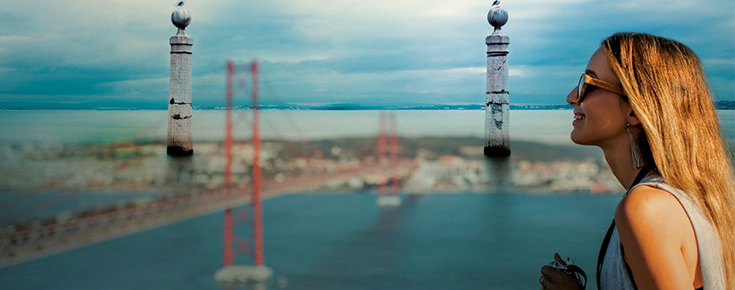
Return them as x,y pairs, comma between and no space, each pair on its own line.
179,170
500,171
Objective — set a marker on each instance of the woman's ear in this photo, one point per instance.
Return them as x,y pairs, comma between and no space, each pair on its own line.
632,119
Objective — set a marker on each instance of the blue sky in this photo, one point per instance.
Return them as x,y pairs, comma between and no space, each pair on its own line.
100,53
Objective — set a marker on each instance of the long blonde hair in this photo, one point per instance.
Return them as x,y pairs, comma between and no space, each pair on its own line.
666,86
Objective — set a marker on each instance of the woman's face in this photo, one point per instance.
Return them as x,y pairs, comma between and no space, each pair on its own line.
602,115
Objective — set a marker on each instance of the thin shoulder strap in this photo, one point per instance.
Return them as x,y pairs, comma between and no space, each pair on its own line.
603,249
606,241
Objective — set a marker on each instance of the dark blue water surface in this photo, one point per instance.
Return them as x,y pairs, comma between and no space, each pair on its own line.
344,241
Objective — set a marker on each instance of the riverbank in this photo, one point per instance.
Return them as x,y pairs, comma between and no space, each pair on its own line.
445,164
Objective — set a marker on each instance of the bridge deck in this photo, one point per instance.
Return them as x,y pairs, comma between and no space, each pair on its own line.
34,243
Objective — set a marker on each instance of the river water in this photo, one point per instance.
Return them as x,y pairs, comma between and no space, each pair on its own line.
344,241
545,126
333,241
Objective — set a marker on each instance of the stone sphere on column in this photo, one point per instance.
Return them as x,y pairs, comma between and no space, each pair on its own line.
181,17
497,17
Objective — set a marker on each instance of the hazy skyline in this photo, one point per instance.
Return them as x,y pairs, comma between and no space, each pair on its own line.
88,54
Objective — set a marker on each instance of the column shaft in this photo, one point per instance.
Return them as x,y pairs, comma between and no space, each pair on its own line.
497,139
179,105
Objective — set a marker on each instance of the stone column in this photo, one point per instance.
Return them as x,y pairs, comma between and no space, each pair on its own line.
497,139
179,105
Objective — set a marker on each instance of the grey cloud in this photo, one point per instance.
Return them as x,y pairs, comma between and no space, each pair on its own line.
374,52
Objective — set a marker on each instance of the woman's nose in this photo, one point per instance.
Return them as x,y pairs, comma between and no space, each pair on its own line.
572,97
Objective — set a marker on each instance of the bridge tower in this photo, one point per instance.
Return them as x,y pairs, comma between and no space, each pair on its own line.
391,135
253,245
381,152
394,154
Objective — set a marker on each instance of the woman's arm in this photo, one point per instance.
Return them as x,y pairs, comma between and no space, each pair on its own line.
655,232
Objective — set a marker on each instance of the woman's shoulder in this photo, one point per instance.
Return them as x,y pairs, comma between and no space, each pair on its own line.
648,204
646,200
657,233
646,210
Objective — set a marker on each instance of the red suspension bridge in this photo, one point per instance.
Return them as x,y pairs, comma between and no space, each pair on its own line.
245,199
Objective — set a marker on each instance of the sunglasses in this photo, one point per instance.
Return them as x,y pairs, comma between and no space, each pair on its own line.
586,79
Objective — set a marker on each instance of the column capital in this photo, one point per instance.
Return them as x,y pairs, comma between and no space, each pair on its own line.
181,40
497,39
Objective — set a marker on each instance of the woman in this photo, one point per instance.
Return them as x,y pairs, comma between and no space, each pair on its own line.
644,101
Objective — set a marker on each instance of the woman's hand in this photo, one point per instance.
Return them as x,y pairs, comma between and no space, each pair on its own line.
552,278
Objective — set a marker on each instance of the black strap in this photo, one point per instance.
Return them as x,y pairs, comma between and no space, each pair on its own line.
603,249
577,271
606,241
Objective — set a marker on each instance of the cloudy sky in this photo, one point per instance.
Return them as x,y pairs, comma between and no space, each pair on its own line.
101,53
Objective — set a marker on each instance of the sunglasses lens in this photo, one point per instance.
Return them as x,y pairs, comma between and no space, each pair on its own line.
580,88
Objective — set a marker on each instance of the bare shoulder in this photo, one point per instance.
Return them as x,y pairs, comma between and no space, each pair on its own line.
648,210
658,239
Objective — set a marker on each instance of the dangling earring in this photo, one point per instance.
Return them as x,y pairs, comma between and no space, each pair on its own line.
635,152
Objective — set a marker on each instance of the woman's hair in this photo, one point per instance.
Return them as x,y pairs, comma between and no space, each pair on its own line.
666,86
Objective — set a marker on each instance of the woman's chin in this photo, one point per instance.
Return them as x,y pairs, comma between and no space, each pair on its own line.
578,139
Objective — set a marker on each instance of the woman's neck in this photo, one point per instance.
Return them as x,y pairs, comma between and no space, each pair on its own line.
620,160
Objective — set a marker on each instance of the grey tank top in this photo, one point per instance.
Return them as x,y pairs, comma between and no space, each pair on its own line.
614,273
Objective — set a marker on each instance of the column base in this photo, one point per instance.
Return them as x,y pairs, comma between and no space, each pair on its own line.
389,200
179,151
243,274
496,151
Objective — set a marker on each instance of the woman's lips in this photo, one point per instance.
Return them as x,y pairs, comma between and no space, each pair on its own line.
578,117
